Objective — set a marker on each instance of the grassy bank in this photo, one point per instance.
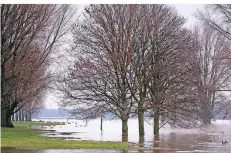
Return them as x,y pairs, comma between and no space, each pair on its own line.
32,123
30,139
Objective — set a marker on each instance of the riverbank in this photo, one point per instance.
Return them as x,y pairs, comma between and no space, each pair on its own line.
27,138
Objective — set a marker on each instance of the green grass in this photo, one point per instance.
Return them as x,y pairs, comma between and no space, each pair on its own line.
32,123
20,137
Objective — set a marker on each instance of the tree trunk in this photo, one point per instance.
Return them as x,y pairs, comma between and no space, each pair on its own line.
206,113
206,120
101,123
156,123
23,114
5,108
6,118
29,115
16,116
141,121
141,141
20,115
12,118
26,115
124,130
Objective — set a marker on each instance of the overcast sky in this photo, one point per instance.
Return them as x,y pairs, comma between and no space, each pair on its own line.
185,10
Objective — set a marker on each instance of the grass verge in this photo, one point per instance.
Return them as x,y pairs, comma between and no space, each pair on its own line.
33,123
20,137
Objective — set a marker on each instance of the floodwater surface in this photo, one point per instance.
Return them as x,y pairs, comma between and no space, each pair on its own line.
199,140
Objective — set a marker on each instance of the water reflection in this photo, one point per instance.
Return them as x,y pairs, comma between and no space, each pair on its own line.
208,138
156,143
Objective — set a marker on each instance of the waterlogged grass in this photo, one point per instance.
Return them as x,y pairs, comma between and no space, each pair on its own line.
20,137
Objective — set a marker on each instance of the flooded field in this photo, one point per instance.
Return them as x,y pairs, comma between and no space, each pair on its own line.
199,140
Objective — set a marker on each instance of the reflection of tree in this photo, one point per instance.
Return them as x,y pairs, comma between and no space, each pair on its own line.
172,141
157,146
156,143
124,151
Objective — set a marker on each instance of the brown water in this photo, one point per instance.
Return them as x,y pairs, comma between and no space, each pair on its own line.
169,141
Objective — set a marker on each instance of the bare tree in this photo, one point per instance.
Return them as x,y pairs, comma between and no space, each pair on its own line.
218,17
156,52
212,71
169,70
99,81
29,34
130,58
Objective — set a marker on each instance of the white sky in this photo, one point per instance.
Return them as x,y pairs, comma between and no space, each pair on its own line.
185,10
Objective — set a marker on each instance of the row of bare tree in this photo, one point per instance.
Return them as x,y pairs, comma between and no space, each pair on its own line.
29,35
24,114
130,59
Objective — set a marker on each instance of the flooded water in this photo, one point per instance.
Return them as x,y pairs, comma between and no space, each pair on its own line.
199,140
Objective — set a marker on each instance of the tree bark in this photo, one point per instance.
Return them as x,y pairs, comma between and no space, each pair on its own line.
5,108
156,123
26,115
141,141
101,123
20,115
206,113
23,114
6,118
207,121
12,118
124,130
29,115
16,116
141,121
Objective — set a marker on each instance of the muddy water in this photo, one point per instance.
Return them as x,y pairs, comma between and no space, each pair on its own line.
206,139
